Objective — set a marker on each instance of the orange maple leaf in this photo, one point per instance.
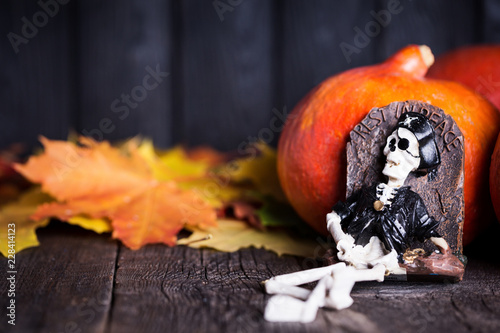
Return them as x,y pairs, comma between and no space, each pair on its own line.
100,181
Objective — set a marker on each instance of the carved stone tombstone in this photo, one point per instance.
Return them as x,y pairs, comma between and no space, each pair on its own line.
443,195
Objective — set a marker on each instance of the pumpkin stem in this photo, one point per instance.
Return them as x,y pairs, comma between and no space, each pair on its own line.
427,55
413,60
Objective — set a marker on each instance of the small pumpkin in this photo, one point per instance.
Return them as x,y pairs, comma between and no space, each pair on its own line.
476,67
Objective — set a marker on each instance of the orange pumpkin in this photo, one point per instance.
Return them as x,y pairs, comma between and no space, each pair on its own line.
476,67
311,151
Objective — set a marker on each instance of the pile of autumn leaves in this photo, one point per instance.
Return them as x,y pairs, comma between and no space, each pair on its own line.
143,196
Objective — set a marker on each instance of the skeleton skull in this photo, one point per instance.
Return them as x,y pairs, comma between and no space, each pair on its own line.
401,151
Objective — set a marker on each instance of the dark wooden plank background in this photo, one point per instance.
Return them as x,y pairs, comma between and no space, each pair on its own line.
230,62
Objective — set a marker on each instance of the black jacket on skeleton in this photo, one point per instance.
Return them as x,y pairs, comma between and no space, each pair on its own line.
396,225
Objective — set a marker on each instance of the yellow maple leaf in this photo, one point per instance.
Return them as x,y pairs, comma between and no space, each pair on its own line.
98,225
102,182
191,170
17,214
173,164
233,235
260,170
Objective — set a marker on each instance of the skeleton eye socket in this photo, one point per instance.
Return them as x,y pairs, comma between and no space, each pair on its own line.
392,145
403,144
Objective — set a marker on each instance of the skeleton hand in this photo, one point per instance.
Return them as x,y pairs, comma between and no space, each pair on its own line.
345,245
441,244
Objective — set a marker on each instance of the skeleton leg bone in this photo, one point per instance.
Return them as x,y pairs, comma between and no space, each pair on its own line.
283,307
286,284
333,290
303,277
277,288
339,292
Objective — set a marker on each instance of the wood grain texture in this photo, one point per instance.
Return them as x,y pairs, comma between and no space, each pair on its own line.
442,25
36,75
312,43
227,73
65,285
489,21
221,290
118,41
230,64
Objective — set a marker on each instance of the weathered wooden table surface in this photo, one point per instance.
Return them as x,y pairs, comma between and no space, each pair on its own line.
78,281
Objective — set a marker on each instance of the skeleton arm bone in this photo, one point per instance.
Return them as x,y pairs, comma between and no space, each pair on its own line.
358,256
334,227
345,242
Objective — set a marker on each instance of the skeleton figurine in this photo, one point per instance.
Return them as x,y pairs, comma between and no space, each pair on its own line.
372,230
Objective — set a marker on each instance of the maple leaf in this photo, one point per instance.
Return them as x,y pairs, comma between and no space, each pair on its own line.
255,184
173,164
192,170
233,235
101,182
261,170
98,225
69,172
18,213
